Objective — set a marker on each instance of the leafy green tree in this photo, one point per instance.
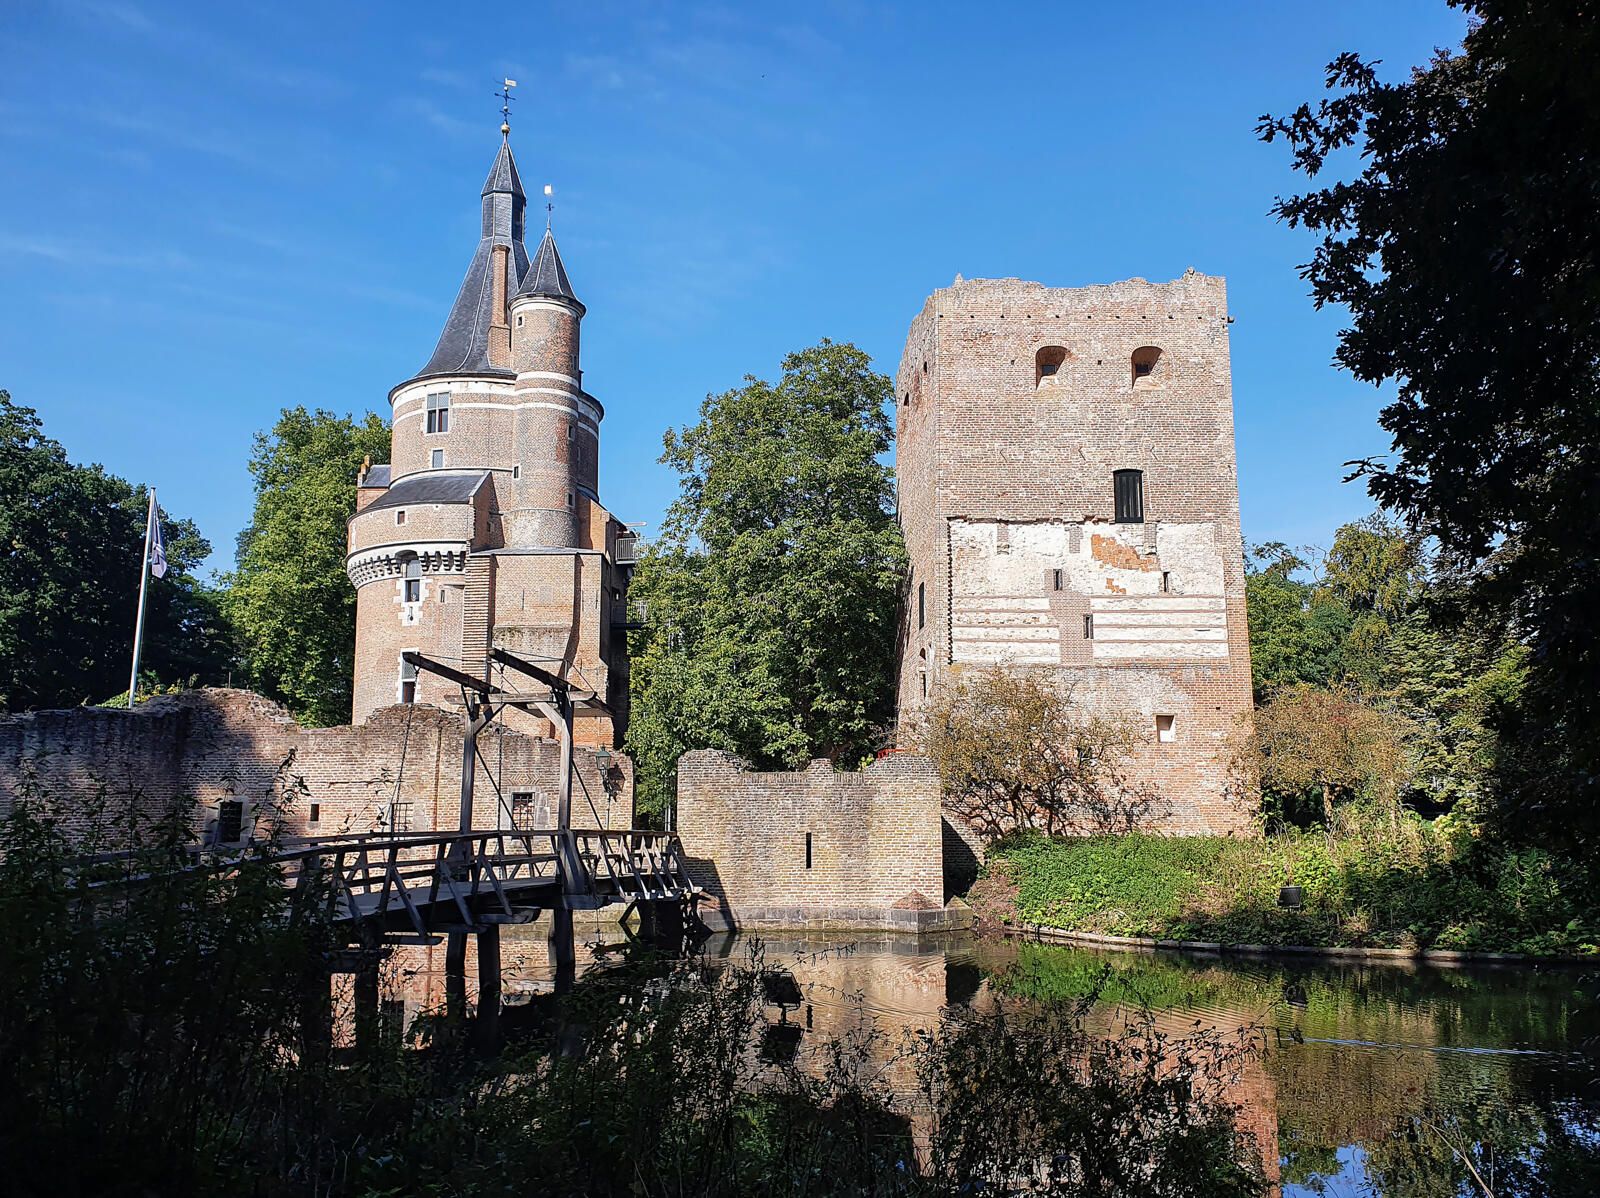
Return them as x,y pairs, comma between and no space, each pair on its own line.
69,579
773,592
1466,251
289,598
1297,631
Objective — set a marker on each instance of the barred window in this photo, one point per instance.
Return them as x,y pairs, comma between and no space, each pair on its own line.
1128,492
439,412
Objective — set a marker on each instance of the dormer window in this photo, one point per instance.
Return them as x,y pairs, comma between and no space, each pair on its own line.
438,418
1146,359
1048,362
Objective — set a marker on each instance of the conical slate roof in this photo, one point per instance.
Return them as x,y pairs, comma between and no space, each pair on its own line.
547,276
463,346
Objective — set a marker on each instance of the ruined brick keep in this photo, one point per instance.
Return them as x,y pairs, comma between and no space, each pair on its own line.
486,528
1069,497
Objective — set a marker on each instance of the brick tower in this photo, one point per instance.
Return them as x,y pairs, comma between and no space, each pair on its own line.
487,526
1070,502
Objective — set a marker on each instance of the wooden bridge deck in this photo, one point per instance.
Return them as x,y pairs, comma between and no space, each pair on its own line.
414,888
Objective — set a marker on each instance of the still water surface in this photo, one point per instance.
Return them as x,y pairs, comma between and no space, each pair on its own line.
1372,1080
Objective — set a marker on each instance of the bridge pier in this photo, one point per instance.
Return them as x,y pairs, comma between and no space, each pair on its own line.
563,948
488,1024
366,1002
455,975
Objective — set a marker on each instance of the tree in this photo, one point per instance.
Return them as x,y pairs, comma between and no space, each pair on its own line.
69,580
1468,256
773,592
1013,752
1329,743
1297,630
289,598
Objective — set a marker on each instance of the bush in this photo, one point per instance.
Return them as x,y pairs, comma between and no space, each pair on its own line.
1378,880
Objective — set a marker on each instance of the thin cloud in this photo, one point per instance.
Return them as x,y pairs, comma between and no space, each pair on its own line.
88,254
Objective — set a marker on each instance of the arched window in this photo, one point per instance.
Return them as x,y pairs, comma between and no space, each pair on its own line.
1047,362
1146,360
1128,496
412,586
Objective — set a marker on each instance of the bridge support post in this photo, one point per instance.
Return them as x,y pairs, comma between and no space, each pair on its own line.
488,1026
366,1001
563,951
455,975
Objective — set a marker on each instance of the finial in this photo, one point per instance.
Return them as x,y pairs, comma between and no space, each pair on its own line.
505,106
549,206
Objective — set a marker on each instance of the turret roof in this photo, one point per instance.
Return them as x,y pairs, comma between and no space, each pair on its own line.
548,276
463,346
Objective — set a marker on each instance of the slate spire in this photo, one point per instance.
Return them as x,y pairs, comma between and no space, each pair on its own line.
548,276
463,346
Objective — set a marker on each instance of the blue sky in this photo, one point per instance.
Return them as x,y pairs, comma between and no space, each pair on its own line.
213,211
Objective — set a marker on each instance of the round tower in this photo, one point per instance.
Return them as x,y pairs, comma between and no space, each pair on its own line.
558,427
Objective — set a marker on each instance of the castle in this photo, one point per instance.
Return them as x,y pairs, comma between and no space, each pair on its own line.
1070,503
486,529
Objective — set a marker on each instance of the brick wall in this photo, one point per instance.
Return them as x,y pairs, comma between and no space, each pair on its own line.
875,851
94,763
1006,499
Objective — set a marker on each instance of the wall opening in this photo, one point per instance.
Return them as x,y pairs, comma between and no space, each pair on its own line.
1146,365
1055,580
1128,496
411,586
1166,582
922,604
400,516
1048,362
808,850
1088,627
1166,732
230,821
438,417
436,459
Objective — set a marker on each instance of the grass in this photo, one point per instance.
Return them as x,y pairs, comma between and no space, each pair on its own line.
1376,882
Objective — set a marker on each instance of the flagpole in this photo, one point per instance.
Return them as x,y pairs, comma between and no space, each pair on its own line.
144,578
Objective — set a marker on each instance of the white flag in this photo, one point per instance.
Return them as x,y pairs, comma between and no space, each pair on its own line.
158,549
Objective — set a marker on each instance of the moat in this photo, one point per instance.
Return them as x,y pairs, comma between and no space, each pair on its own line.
1370,1080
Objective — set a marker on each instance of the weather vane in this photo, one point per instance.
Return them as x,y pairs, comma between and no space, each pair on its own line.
505,105
549,205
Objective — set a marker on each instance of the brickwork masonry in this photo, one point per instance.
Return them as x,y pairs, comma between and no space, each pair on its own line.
104,769
816,848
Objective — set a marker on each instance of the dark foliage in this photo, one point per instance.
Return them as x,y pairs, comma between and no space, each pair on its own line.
1467,253
69,580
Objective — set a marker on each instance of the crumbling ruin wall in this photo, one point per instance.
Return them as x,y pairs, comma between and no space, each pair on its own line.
102,770
814,848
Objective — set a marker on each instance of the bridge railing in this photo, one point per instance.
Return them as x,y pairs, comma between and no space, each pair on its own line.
433,881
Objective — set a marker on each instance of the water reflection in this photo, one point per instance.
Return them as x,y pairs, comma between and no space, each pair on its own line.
1374,1079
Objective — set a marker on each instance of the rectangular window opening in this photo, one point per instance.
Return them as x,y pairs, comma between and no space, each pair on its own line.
1166,581
922,604
400,516
516,471
1128,496
438,418
1055,580
522,808
436,459
1002,537
808,850
315,814
1088,627
1165,732
438,413
230,821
